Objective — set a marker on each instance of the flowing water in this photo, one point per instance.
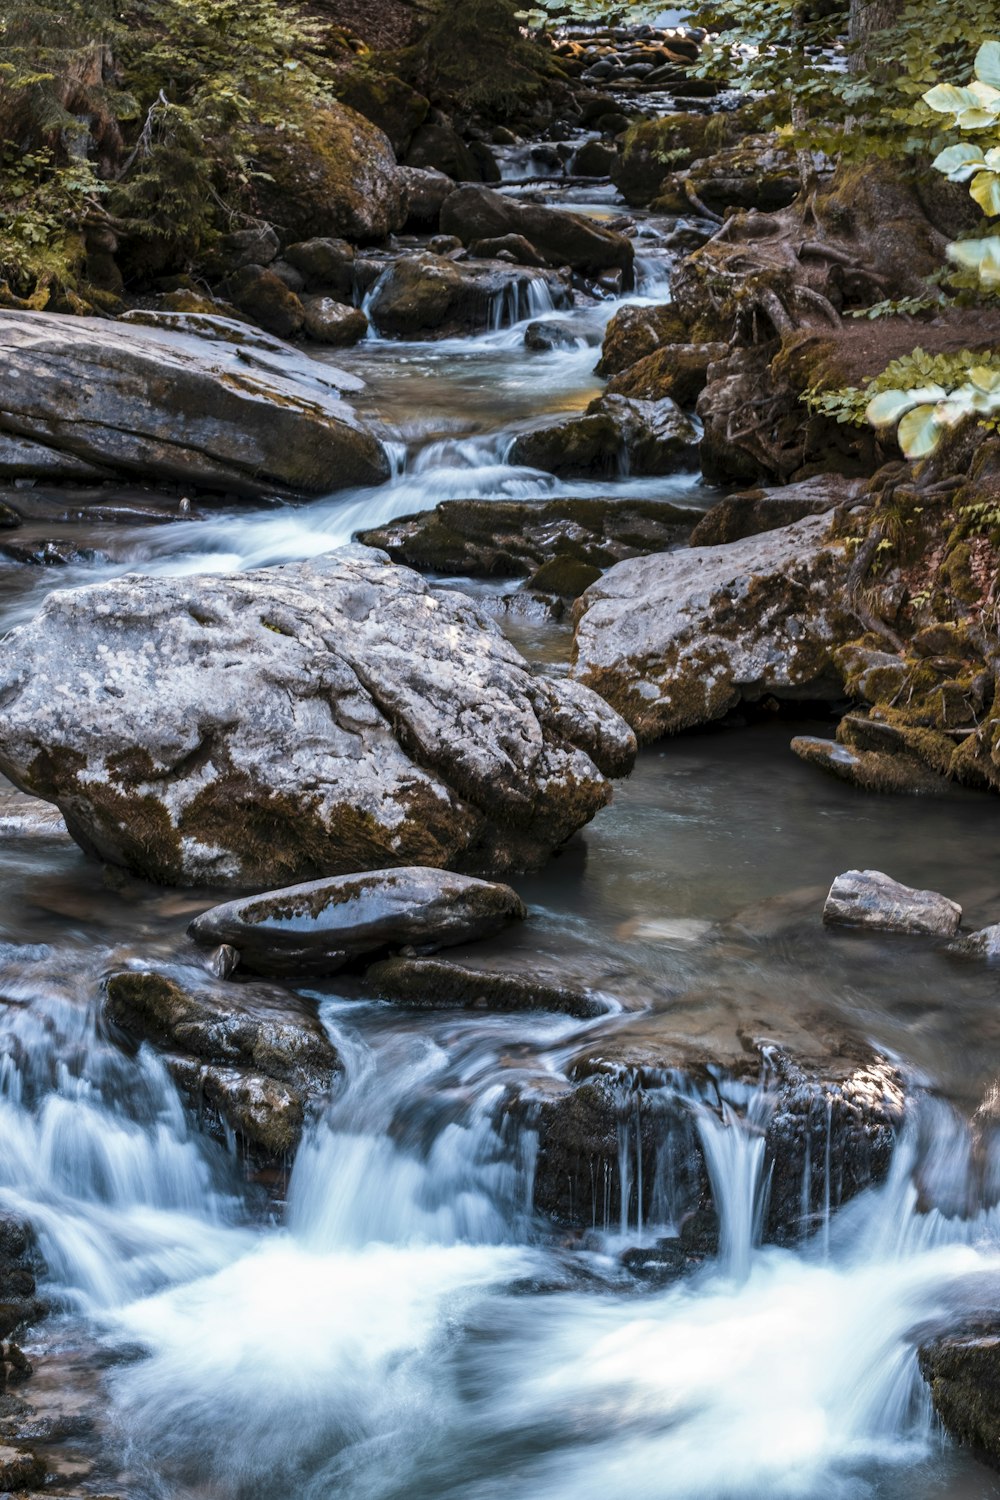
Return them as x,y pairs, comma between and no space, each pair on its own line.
405,1325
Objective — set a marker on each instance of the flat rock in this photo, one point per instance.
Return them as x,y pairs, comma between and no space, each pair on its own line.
510,538
680,638
869,770
427,295
755,511
256,1054
244,415
564,239
316,927
872,900
445,984
391,725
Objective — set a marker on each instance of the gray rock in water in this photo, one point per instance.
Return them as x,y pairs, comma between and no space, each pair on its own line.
428,295
641,437
982,944
298,722
962,1370
315,928
443,984
680,638
242,415
870,899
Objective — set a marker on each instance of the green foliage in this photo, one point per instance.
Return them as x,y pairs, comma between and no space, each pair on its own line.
912,374
140,120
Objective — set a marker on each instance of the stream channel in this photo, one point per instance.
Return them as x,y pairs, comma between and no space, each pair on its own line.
404,1324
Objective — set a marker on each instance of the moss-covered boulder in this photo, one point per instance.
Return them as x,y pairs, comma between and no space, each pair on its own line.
653,148
636,332
679,371
265,298
613,435
128,704
338,178
752,511
389,103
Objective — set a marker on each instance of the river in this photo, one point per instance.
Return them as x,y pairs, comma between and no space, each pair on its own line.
405,1325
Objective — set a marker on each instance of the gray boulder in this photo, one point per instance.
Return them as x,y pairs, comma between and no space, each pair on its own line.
428,296
317,927
680,638
982,944
478,213
156,403
330,322
870,899
298,722
324,264
425,191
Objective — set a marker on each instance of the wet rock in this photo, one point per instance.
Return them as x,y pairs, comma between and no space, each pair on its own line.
23,458
255,1054
330,322
326,265
20,1470
872,900
426,295
316,928
425,191
635,332
438,148
443,984
513,247
24,817
510,538
982,944
392,725
758,174
475,213
595,159
265,297
869,770
546,335
651,148
679,371
633,1109
754,511
962,1370
565,576
336,178
680,638
614,435
159,404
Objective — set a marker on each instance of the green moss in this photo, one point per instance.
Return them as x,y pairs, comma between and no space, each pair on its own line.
564,575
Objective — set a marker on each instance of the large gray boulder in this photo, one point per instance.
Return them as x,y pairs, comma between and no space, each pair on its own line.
614,434
248,416
315,928
297,722
680,638
479,213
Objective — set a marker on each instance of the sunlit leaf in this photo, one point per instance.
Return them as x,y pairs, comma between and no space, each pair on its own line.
981,256
985,189
949,100
885,409
960,162
977,119
987,63
919,432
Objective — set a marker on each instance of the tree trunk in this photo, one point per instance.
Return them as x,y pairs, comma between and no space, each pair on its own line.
867,20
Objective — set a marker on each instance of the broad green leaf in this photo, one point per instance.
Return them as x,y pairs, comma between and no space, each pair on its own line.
992,159
887,408
987,63
980,256
919,432
985,379
949,100
977,119
986,95
985,189
959,162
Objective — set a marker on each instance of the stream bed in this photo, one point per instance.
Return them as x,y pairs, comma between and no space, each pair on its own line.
406,1326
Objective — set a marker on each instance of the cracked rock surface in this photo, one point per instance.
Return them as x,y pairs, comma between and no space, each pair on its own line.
281,725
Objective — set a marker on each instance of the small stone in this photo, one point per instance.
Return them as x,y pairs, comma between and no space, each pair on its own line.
872,900
982,944
224,961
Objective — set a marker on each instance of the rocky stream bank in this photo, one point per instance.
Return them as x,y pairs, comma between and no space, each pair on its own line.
343,666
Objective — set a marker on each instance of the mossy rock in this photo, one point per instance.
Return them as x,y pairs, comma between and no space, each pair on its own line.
564,575
396,108
636,332
653,148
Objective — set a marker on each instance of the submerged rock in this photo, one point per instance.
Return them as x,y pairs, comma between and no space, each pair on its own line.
158,404
317,927
982,944
680,638
257,1055
508,538
870,899
390,725
869,770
